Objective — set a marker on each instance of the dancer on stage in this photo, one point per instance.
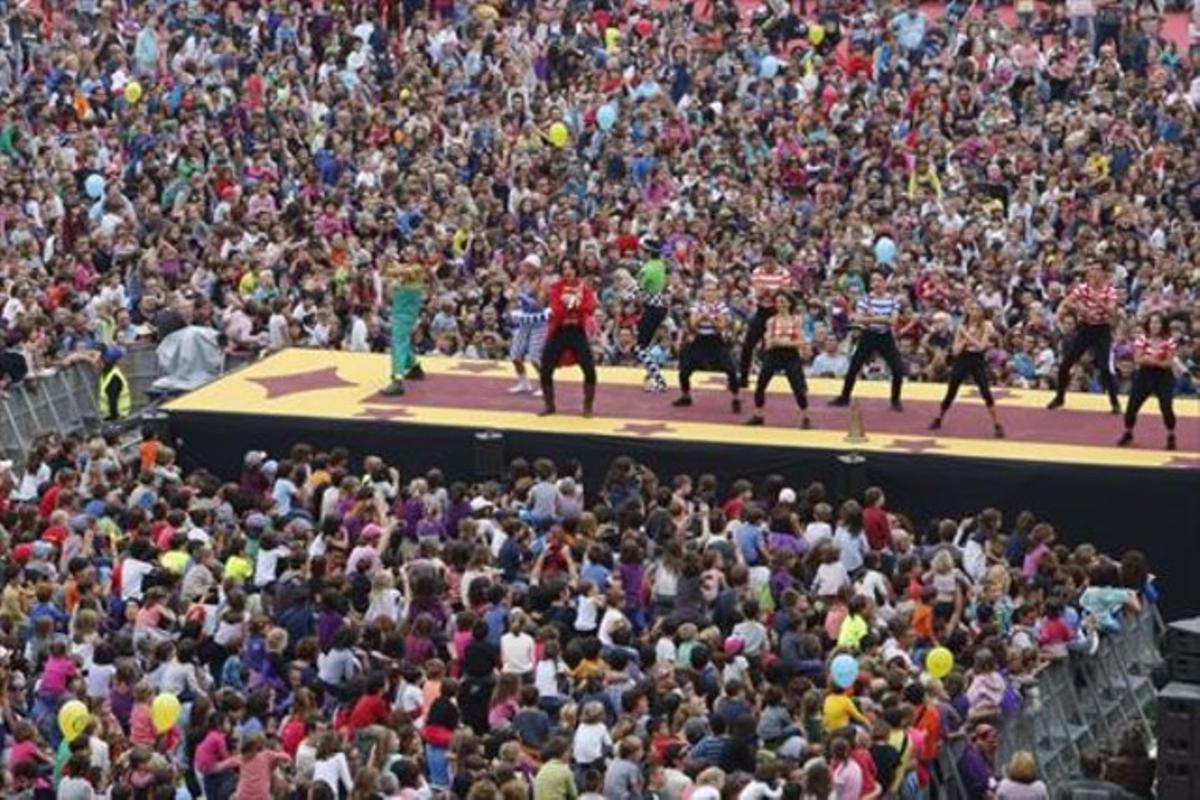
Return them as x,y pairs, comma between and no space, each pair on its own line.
530,320
971,342
652,281
1094,304
1154,353
572,304
874,315
784,339
708,350
408,292
765,282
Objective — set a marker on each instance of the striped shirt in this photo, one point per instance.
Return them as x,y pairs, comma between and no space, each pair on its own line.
768,284
779,328
1158,349
1093,304
872,306
706,316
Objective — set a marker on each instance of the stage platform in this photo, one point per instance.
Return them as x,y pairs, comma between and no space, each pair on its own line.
1062,464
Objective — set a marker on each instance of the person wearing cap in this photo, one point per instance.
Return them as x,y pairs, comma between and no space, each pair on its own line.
408,291
707,348
115,399
652,284
530,321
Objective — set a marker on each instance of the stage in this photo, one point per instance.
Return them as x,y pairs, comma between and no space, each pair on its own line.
1062,465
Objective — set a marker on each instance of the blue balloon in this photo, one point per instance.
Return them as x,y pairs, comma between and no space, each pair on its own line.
844,671
885,251
1071,617
768,67
94,186
606,117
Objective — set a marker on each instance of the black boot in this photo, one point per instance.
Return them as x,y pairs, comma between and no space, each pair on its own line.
415,373
393,389
547,399
1125,439
589,398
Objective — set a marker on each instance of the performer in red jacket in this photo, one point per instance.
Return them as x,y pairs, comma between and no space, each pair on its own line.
572,304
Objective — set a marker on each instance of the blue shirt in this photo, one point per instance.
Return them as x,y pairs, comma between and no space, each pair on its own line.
909,27
749,540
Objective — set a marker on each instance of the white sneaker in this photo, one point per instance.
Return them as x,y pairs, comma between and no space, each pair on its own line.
536,392
520,388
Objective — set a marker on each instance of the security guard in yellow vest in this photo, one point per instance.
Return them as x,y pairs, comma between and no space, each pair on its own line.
115,399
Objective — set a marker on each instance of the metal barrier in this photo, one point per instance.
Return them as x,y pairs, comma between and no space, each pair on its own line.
1085,701
63,401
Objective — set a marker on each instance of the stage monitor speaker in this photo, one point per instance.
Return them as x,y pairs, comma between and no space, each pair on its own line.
851,477
1183,650
489,455
1178,731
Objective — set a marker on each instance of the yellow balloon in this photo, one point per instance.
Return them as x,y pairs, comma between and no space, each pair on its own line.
612,39
816,34
164,712
559,135
939,662
73,719
133,92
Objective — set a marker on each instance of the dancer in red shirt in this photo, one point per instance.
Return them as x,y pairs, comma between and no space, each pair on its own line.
572,304
1095,307
1154,352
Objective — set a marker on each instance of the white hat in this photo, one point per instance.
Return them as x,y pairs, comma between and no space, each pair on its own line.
787,495
532,260
480,504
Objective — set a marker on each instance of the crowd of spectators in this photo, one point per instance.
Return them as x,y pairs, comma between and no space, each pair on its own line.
251,166
332,628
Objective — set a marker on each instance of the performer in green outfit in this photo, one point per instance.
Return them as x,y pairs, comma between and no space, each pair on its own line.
652,281
408,292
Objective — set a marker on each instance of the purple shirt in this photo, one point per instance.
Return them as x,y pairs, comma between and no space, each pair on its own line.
632,578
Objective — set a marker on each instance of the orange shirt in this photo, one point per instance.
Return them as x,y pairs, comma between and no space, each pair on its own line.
922,621
148,452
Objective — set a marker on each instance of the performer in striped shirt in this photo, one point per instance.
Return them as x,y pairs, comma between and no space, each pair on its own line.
529,323
874,314
1154,352
784,340
765,282
971,342
652,281
1094,305
708,349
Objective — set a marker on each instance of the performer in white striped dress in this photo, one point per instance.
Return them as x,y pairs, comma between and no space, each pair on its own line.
1154,352
875,314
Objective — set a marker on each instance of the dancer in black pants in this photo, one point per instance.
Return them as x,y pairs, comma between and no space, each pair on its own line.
784,340
1154,353
970,359
708,350
765,282
1094,305
875,314
572,303
652,282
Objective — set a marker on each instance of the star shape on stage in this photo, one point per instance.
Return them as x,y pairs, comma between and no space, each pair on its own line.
476,367
383,413
997,394
298,382
645,429
915,445
1183,462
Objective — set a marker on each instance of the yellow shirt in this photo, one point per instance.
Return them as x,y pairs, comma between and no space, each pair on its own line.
239,568
174,560
853,629
838,711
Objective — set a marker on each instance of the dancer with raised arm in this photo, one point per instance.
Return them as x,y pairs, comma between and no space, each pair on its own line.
572,304
408,292
707,348
875,314
1154,353
1094,305
784,340
971,342
530,320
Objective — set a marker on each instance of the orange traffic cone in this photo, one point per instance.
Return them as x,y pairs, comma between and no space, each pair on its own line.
857,433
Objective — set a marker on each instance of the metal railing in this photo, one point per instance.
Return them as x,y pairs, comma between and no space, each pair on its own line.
1085,701
62,401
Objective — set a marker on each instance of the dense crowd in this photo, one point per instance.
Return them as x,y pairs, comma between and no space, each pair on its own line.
325,628
257,166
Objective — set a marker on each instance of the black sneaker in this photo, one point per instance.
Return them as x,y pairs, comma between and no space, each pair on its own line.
1170,441
1114,409
546,411
393,389
417,373
755,421
806,424
840,401
998,432
897,406
1125,439
737,405
936,425
1057,402
682,402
